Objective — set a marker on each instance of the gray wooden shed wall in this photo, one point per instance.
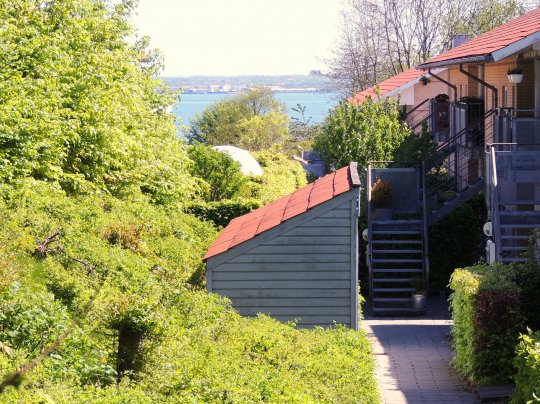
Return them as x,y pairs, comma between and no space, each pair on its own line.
305,268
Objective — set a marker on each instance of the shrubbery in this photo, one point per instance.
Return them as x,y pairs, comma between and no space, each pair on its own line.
222,212
456,242
490,306
527,363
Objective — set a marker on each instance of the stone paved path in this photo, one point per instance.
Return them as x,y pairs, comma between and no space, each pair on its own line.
412,357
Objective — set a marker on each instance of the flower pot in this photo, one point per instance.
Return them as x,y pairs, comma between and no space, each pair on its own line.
515,78
382,213
419,301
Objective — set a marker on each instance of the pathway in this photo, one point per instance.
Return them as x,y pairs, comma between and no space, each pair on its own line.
412,359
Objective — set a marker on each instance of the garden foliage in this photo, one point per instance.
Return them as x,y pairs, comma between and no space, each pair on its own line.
490,306
372,131
527,362
100,264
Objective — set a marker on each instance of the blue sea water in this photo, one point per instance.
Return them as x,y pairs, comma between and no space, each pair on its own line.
317,104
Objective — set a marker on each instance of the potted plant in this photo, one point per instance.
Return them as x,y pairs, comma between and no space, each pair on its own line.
515,75
419,294
382,193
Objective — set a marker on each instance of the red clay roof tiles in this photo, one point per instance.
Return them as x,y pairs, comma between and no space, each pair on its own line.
387,85
244,228
496,39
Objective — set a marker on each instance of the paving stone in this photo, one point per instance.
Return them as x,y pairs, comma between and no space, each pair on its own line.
413,359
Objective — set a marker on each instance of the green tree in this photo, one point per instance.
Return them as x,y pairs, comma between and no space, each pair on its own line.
81,105
254,120
220,173
372,131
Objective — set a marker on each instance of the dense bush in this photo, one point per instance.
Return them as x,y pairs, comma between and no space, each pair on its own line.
456,241
100,267
132,262
487,320
527,363
222,212
281,176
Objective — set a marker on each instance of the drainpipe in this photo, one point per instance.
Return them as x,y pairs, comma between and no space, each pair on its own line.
453,87
493,89
445,82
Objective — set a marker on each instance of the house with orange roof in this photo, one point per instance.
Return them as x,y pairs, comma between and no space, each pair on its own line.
491,144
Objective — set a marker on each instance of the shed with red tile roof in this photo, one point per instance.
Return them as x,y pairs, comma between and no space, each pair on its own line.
295,258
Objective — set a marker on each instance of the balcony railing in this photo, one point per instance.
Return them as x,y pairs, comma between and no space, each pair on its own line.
520,126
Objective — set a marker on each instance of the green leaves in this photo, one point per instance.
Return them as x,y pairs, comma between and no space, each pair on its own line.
253,121
363,133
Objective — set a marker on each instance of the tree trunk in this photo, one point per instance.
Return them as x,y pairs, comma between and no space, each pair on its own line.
128,357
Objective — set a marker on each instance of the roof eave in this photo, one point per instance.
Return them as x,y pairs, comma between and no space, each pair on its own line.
452,62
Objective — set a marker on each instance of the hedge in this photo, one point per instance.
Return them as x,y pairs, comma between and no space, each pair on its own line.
528,369
222,212
490,306
487,320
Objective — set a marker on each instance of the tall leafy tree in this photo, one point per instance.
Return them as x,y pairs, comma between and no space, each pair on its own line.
372,131
254,120
80,104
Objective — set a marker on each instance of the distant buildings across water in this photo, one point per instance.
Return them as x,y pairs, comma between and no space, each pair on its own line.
317,104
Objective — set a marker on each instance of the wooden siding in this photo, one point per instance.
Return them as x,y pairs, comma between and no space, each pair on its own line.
306,272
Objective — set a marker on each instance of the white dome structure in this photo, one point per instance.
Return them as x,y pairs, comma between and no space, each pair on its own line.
248,164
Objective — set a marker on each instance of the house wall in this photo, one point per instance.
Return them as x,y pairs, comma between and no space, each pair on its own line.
432,89
306,269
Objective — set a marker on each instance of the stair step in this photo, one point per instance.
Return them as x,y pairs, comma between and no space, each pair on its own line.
524,202
396,241
397,310
396,232
396,222
518,226
519,213
393,290
400,260
393,280
397,270
515,237
397,251
513,248
508,260
392,299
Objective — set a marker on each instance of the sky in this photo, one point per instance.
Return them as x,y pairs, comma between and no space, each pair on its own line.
240,37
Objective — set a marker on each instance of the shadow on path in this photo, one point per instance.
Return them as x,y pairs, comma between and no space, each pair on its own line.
413,356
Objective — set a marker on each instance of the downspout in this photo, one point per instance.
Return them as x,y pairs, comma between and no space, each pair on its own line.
493,89
453,87
445,82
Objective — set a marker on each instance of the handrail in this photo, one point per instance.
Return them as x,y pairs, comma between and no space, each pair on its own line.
370,232
418,106
495,205
425,224
463,131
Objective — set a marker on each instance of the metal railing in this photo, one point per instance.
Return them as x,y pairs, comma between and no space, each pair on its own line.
456,163
510,165
521,126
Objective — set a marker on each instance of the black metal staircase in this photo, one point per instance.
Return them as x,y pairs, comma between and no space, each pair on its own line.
396,248
513,175
398,251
